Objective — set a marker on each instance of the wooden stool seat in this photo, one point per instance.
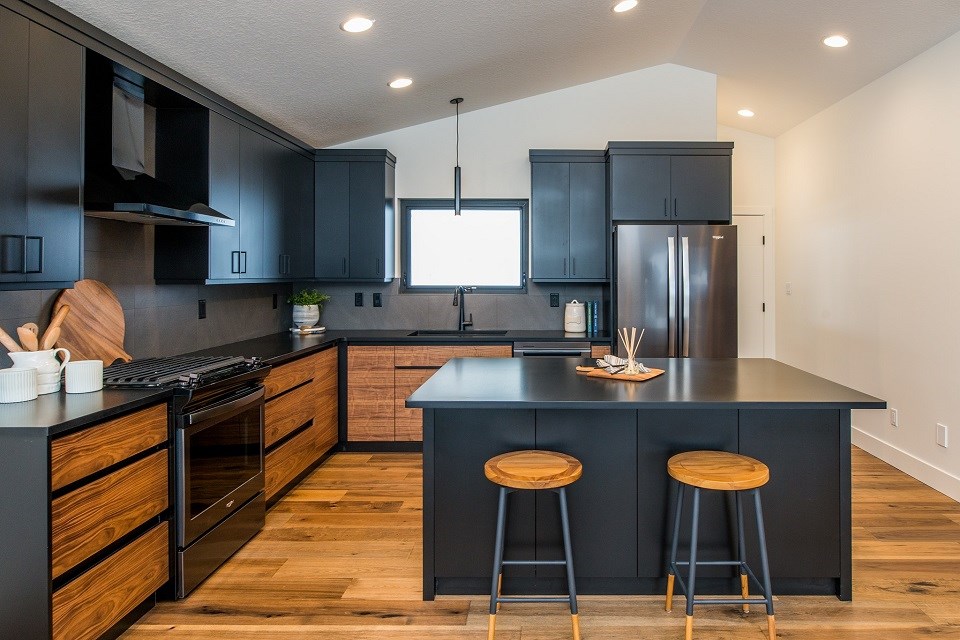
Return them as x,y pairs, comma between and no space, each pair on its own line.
533,470
718,470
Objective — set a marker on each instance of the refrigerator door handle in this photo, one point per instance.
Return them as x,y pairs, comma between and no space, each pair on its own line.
685,302
672,296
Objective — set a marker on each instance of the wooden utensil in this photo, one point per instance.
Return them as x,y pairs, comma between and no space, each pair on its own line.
94,328
28,339
8,342
54,326
32,326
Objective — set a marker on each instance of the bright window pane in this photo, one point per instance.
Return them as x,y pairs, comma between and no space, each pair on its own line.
480,247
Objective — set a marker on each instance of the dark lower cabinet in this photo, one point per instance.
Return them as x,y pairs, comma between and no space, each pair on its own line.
41,156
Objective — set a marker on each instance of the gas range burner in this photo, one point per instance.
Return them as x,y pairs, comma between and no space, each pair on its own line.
184,372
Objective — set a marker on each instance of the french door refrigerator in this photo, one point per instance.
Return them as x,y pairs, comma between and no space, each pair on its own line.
679,283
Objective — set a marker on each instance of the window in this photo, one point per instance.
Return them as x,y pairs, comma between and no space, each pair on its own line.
484,247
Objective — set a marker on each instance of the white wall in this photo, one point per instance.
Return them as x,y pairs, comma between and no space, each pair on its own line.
868,233
667,102
754,193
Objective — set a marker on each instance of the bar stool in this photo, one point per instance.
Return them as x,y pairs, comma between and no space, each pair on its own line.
532,469
719,471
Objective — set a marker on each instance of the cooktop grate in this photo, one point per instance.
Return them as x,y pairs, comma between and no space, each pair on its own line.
162,371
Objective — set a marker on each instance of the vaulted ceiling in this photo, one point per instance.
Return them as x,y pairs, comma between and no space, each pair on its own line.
290,63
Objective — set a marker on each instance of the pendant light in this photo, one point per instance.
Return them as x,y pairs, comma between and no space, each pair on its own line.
456,170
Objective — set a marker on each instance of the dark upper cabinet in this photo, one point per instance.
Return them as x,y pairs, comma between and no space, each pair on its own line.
41,156
298,194
669,181
224,189
354,223
568,215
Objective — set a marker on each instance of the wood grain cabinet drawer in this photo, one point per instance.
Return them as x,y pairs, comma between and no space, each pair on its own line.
436,356
88,519
287,376
96,600
287,461
81,454
283,415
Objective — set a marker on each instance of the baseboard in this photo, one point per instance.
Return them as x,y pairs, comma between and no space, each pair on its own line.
932,476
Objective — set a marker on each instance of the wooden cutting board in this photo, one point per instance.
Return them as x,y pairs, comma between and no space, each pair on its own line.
597,372
94,328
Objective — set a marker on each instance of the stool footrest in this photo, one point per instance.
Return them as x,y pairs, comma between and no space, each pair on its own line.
723,600
534,562
722,563
563,599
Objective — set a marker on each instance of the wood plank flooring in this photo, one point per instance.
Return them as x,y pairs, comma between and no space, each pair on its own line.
340,559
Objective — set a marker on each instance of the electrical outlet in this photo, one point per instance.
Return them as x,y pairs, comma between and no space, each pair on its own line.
358,299
554,299
274,301
377,300
942,435
201,309
894,418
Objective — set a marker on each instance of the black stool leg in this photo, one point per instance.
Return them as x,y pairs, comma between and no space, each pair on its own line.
672,568
568,553
692,589
742,553
765,567
497,563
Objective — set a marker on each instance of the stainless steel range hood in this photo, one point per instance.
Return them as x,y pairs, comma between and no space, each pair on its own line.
119,183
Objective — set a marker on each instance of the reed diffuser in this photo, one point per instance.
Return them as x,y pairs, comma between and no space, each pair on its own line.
631,342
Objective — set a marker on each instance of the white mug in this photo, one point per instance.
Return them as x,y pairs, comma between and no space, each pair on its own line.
47,366
84,376
18,384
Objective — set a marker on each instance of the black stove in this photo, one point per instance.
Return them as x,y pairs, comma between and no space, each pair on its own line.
183,372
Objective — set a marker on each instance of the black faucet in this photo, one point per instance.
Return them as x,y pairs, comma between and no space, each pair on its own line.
462,322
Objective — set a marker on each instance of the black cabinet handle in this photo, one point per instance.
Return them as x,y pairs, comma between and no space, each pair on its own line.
243,256
564,266
665,214
26,255
574,270
289,263
234,262
7,244
344,266
674,207
378,266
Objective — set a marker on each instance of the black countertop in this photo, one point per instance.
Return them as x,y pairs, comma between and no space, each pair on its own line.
552,383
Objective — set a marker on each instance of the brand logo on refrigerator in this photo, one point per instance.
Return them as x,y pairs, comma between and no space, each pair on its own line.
718,237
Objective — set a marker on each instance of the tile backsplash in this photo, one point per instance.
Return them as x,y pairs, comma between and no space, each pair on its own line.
162,319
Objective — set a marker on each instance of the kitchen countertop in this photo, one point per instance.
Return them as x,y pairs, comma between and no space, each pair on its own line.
708,383
57,413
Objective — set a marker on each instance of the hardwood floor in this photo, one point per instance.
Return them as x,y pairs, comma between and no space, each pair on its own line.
340,559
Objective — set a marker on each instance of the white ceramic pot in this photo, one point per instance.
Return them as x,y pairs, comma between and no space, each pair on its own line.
47,366
306,314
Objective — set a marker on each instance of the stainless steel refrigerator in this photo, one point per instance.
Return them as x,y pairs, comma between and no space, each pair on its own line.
679,283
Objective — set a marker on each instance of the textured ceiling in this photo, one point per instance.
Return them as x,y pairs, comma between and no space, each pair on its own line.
288,62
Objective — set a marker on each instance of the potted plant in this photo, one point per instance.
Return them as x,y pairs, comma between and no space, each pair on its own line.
306,306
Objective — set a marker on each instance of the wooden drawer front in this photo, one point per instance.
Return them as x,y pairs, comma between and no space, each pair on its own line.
437,356
95,515
85,452
370,393
598,351
98,599
290,411
287,461
409,422
289,375
325,387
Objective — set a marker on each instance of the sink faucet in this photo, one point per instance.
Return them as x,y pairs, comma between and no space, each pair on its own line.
462,321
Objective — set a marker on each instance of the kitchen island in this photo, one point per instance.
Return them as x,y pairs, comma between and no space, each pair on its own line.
623,433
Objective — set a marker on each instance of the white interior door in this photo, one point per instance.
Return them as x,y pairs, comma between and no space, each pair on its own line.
750,303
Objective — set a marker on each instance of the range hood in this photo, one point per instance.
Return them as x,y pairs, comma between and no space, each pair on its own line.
119,180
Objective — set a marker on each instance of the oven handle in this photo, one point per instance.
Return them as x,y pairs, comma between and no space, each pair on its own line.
238,401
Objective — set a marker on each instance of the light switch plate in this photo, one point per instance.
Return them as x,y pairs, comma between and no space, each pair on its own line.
358,299
377,300
894,418
942,435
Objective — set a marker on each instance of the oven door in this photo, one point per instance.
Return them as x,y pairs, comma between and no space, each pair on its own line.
219,461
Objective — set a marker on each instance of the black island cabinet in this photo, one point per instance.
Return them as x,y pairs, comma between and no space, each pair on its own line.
624,433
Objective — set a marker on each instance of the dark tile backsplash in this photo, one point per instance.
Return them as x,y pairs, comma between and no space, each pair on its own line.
162,319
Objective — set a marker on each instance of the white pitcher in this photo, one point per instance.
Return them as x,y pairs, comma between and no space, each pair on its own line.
47,366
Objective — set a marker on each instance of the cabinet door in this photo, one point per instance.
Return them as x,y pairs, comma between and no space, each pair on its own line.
332,223
367,220
224,242
370,389
14,47
700,188
639,187
588,220
54,158
276,216
550,219
602,503
252,153
298,214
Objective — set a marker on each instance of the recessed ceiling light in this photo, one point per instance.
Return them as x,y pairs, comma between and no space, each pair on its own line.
400,83
746,113
624,5
356,25
835,41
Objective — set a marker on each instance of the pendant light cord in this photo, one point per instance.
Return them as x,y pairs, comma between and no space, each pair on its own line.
458,133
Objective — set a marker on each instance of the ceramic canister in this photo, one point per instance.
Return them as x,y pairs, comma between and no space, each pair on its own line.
47,366
574,318
18,384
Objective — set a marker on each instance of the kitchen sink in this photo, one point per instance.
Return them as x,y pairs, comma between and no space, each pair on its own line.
454,332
